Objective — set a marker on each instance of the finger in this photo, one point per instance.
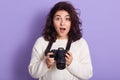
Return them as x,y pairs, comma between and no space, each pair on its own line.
69,53
51,59
48,55
52,62
66,59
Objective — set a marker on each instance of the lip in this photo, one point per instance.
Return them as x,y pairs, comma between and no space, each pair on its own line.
62,30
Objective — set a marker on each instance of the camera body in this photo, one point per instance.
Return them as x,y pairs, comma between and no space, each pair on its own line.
59,56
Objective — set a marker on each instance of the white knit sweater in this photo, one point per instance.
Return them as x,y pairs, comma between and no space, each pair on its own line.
79,69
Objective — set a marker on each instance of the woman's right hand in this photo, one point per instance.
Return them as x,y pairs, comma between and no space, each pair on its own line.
50,61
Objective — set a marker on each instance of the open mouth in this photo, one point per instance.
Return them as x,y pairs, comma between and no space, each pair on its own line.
62,29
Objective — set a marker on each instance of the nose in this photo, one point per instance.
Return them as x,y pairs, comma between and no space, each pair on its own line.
62,23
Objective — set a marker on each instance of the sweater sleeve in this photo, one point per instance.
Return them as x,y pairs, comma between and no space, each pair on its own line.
37,67
82,68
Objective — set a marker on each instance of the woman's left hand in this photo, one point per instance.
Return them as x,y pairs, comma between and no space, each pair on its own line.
68,58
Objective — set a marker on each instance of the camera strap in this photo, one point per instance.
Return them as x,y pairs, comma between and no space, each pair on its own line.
48,47
68,44
51,42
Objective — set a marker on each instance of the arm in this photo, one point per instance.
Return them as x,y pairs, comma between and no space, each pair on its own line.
82,67
37,67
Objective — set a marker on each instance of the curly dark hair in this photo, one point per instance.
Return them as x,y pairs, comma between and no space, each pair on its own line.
49,33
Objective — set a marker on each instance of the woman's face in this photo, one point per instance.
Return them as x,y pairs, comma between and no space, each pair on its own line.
62,23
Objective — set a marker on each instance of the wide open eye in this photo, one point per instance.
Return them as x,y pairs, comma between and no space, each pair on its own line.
67,18
57,18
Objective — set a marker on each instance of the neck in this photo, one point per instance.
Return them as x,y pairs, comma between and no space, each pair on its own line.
66,37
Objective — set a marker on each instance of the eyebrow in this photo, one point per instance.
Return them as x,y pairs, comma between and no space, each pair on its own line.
59,15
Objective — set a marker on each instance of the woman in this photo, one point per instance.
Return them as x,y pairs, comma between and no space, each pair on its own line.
62,24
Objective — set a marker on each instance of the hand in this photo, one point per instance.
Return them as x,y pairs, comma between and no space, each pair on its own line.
68,58
50,61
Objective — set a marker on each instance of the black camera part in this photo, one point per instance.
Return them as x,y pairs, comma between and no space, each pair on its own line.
59,56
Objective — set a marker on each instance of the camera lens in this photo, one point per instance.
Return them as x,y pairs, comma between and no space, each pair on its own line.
61,66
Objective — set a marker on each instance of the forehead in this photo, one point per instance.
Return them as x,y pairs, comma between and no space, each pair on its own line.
62,13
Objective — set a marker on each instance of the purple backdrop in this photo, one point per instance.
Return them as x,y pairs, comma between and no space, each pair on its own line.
21,23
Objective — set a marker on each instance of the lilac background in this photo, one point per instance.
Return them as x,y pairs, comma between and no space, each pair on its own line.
21,23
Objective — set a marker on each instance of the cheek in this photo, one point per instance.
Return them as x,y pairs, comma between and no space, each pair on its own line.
55,24
69,26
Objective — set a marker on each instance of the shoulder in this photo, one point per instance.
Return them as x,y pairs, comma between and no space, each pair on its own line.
40,41
81,41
